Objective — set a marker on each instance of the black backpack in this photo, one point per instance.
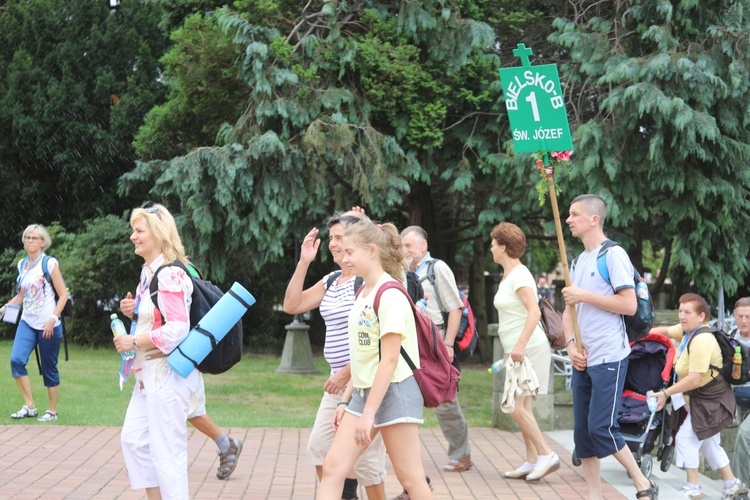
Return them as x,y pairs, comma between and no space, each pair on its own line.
228,351
413,286
727,343
639,324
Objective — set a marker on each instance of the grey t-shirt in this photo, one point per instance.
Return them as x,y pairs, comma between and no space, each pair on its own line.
602,332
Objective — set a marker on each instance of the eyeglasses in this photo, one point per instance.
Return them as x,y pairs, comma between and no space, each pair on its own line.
155,211
31,238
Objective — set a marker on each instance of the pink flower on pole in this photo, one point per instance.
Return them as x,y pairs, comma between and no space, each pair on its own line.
561,155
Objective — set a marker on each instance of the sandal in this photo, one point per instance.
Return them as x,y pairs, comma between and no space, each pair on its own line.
24,412
652,493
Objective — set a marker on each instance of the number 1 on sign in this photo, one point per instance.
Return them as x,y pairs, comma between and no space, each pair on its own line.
534,109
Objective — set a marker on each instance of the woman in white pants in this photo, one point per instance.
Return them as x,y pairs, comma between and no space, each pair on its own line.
154,434
697,367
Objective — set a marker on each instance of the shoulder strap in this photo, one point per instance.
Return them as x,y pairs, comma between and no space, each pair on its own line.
45,269
376,305
332,278
703,329
153,287
430,276
358,282
21,265
601,259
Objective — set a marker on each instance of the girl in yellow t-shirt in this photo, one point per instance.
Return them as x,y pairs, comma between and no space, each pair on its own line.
382,396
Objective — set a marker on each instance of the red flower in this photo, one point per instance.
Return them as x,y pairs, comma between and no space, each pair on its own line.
561,155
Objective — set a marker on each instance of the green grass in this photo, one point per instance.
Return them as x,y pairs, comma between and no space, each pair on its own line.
251,394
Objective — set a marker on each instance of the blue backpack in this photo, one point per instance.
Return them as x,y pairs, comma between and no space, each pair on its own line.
639,324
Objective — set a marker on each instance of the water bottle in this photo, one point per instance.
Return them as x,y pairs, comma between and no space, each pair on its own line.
497,366
422,303
118,328
641,289
652,402
737,361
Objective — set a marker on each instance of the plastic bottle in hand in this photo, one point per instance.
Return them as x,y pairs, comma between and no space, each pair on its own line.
737,363
422,304
497,366
118,328
652,402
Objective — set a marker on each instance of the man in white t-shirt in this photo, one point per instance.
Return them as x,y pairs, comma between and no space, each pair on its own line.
601,362
450,416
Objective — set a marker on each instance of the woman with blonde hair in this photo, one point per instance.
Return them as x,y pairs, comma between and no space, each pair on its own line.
522,337
40,321
154,434
382,396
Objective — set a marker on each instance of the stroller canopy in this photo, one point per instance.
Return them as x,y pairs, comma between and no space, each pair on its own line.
649,363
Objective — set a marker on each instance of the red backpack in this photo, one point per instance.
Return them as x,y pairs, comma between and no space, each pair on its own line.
436,376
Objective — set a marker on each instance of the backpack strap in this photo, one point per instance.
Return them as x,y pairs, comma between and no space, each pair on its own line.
332,278
704,329
153,287
430,276
376,305
358,281
601,259
45,268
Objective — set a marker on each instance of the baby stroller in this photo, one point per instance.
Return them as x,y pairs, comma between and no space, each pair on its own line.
649,369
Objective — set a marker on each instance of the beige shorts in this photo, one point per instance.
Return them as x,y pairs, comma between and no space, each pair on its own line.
197,405
370,467
541,359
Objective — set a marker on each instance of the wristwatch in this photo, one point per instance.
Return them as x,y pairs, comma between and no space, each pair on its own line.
55,317
135,342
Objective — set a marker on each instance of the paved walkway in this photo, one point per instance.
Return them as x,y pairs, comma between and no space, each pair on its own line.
64,462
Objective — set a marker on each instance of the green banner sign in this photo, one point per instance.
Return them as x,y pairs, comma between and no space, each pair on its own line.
535,105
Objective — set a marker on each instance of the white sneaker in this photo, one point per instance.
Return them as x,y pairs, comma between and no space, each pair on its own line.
734,491
688,492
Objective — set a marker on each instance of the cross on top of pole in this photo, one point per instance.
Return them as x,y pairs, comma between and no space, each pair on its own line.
523,52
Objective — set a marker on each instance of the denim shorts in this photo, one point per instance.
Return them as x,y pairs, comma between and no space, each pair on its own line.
402,403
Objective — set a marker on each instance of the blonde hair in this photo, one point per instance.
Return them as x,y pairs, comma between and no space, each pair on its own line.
388,242
41,232
161,223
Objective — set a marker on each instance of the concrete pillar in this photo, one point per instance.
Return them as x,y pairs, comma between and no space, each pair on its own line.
297,355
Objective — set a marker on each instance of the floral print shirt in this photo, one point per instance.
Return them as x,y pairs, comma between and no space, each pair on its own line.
166,326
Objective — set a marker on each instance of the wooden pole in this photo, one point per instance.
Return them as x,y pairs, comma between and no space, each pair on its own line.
549,171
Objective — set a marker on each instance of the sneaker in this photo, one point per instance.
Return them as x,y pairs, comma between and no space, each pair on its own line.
405,496
24,412
735,491
228,460
688,492
48,417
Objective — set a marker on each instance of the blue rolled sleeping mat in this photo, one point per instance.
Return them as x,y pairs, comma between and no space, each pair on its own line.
219,320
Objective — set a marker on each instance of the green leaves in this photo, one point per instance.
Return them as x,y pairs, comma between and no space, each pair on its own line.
661,138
